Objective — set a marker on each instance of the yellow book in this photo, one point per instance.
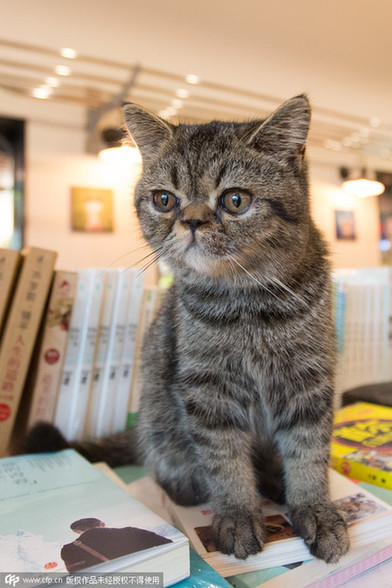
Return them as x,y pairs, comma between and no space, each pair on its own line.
362,443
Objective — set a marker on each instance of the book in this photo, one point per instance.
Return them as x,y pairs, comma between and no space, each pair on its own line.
46,380
20,334
127,361
362,443
73,395
149,307
44,497
96,423
368,517
9,268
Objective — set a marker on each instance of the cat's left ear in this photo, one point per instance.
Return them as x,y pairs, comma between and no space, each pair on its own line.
285,131
147,130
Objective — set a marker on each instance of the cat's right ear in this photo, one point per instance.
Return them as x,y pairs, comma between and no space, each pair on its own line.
147,130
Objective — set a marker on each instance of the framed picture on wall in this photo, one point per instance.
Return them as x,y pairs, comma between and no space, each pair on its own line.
345,225
91,209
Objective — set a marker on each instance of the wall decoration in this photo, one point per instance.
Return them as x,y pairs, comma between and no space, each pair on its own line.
92,209
345,225
385,207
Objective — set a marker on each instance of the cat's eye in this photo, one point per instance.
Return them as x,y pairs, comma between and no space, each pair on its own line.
164,201
236,201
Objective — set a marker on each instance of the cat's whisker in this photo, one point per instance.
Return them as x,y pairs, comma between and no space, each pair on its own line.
254,279
144,246
151,262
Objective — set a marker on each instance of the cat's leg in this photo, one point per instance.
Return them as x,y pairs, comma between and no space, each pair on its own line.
224,442
303,436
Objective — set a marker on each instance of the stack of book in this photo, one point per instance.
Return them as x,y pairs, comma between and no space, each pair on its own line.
69,346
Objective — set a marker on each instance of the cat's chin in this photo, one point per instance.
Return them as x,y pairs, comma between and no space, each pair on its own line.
207,265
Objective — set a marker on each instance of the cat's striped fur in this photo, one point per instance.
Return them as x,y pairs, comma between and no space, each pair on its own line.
238,368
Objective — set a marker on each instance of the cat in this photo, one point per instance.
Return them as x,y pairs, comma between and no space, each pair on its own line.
238,367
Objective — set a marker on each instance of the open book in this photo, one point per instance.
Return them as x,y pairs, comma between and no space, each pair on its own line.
60,514
369,520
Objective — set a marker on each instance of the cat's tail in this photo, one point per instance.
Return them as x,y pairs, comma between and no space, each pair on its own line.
115,450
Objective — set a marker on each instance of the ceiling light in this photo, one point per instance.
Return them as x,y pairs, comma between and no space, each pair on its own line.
52,82
42,93
182,93
68,53
176,103
192,79
171,111
62,70
361,187
115,151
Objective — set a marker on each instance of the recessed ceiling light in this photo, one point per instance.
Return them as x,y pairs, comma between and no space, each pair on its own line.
62,70
182,93
176,103
68,53
171,110
52,82
192,79
42,93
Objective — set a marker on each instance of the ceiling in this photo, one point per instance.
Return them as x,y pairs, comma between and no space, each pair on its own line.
249,55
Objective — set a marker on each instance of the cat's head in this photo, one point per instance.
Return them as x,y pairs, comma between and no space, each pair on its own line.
223,199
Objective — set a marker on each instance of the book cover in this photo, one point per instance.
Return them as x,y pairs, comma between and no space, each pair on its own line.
21,332
368,517
50,504
362,443
56,323
9,268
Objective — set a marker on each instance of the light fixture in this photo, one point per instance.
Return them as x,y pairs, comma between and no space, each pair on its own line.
361,187
68,53
62,70
116,150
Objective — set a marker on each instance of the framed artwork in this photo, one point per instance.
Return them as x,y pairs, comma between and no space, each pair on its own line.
91,209
345,225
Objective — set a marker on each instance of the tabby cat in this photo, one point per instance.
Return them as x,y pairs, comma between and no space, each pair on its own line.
238,367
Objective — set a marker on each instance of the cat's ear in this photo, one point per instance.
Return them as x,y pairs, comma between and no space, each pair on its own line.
148,131
285,131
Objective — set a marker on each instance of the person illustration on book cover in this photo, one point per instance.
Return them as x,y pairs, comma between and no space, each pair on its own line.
98,543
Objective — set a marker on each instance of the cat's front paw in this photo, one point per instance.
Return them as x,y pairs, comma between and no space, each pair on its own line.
323,529
239,533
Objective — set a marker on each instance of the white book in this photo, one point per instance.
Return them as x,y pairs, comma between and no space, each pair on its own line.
79,409
66,407
123,384
95,421
368,517
147,313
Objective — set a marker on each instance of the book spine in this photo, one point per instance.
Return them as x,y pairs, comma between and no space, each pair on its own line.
10,263
20,334
123,387
73,357
80,406
147,312
362,472
53,346
97,393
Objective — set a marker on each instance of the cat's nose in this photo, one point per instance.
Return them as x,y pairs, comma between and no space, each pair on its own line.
194,223
195,215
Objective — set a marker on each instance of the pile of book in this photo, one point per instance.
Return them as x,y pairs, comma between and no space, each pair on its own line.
69,345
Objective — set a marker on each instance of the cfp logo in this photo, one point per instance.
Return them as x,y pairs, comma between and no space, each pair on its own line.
11,579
